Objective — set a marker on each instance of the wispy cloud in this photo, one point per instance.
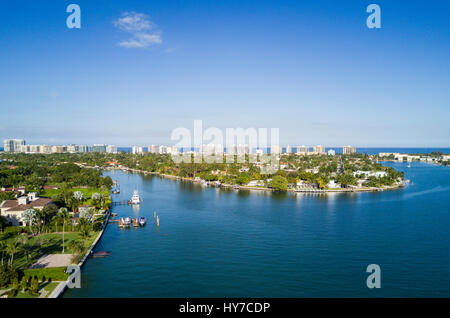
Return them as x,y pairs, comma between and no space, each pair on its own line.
142,31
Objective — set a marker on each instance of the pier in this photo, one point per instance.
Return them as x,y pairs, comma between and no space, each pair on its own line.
122,202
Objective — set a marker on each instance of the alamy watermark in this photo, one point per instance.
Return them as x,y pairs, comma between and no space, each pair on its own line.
374,19
73,21
235,145
74,280
374,279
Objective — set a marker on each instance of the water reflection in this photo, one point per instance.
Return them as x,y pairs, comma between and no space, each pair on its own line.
135,208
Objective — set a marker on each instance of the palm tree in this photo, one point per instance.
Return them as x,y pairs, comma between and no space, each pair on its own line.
2,249
12,248
63,217
84,228
96,197
76,246
41,218
103,198
23,240
2,223
39,241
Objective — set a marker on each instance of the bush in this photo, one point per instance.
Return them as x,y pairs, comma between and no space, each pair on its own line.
55,273
12,230
7,275
97,226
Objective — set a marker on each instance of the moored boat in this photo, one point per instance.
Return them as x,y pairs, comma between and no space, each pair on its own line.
142,221
135,199
126,221
100,254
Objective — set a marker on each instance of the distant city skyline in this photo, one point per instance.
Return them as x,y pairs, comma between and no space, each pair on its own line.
137,70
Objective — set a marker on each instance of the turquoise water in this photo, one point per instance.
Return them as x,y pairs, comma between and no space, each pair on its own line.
223,243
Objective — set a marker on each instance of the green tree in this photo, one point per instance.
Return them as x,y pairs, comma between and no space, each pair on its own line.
84,228
243,178
2,250
63,217
279,183
24,284
12,248
34,285
30,218
107,182
76,246
2,221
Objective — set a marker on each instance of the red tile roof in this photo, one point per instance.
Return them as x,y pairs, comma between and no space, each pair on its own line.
14,206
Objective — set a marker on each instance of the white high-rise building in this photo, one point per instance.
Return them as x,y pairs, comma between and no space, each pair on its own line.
348,150
72,148
136,150
319,150
275,150
153,149
13,145
302,150
288,149
111,149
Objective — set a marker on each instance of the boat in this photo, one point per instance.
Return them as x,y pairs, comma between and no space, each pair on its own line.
100,254
142,221
126,221
135,199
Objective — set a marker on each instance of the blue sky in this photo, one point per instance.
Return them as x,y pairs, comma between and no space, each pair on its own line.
311,68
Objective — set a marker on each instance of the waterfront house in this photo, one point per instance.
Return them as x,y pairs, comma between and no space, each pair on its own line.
378,174
333,185
256,183
13,209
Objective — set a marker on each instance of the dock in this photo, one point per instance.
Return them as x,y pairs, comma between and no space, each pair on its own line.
123,202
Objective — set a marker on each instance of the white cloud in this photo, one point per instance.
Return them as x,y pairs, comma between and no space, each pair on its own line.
140,29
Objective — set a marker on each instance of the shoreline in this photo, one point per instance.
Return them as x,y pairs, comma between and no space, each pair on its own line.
230,186
62,286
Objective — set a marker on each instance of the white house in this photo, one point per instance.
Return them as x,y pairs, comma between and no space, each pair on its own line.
256,183
332,185
378,174
13,209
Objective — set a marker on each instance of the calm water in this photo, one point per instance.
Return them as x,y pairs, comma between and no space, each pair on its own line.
217,243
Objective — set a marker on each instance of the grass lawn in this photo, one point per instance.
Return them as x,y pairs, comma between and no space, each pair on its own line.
55,273
43,287
52,244
87,193
49,288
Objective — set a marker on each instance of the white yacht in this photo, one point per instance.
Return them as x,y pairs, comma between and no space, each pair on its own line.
135,199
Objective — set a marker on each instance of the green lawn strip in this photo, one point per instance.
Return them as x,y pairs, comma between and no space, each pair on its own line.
45,286
87,193
49,287
55,273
